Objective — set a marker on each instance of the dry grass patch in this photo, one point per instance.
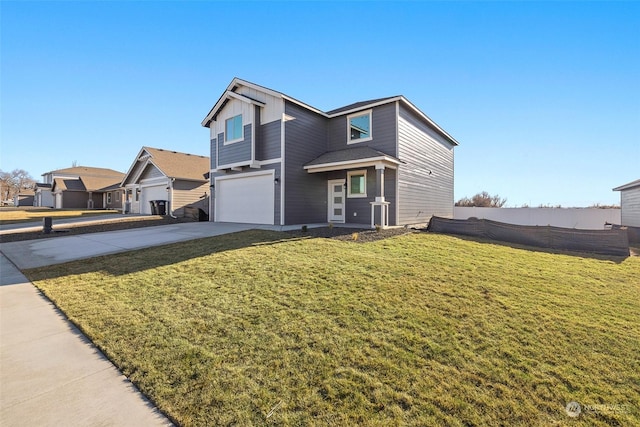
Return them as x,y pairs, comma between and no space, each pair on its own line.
16,215
255,328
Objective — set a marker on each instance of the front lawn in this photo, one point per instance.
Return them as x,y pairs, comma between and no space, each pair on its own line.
17,215
258,328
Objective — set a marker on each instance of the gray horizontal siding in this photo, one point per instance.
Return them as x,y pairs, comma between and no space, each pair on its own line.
630,204
305,193
422,195
236,152
268,146
383,131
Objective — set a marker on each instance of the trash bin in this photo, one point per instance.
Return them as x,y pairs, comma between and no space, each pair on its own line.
154,207
127,208
161,207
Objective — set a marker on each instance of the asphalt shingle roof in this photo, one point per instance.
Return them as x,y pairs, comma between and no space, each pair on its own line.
349,154
179,165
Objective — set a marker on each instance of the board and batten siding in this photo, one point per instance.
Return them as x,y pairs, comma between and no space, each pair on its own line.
305,193
151,172
383,131
630,205
236,152
423,194
187,193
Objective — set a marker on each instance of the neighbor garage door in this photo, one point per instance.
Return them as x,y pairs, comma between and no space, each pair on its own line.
157,192
246,199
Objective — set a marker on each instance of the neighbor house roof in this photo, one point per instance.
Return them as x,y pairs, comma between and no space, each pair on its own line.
89,179
632,184
85,170
361,105
172,164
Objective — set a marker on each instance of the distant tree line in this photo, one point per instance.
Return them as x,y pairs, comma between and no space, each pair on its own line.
482,200
12,183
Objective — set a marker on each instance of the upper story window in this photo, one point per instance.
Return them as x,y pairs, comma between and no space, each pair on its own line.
233,129
359,127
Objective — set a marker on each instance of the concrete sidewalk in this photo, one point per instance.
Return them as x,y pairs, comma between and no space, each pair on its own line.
61,222
51,374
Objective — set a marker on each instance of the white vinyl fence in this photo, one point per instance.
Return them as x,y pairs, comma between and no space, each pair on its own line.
581,218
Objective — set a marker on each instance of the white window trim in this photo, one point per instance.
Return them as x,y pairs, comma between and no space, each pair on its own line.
358,114
358,195
233,141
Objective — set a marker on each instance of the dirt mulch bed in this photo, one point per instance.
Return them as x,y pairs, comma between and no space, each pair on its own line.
346,234
356,235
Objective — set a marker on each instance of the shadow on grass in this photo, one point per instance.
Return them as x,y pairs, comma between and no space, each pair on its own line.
613,258
149,258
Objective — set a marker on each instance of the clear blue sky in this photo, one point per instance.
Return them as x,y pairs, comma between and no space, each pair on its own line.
544,98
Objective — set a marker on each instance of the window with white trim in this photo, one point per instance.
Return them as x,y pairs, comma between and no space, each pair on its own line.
357,184
233,129
108,198
359,127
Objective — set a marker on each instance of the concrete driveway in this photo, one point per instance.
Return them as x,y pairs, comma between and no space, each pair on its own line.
57,250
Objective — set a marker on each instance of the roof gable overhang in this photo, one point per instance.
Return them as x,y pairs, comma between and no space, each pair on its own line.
628,186
133,175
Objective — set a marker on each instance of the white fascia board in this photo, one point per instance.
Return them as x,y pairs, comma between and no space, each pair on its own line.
352,164
224,98
628,186
365,107
135,162
305,106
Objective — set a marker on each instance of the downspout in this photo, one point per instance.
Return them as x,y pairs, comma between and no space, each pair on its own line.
171,199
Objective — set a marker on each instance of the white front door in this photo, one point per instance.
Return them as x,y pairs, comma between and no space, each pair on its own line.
336,200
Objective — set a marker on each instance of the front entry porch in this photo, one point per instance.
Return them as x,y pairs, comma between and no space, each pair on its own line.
356,190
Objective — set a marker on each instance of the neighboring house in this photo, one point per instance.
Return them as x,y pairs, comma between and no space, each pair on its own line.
630,203
276,160
42,195
24,198
177,178
83,187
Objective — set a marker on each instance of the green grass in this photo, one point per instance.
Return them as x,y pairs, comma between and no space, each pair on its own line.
17,215
422,329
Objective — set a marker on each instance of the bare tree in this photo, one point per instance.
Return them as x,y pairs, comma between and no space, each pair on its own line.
13,182
483,200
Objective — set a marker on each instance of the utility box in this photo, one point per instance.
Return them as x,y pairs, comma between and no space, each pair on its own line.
47,225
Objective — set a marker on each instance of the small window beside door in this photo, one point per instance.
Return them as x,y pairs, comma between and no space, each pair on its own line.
357,184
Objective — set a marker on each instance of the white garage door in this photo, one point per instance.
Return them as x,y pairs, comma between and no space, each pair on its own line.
246,199
157,192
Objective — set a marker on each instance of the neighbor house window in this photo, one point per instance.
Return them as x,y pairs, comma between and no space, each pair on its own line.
357,184
108,198
233,129
359,127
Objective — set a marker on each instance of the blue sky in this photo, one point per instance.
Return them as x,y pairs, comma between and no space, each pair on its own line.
544,98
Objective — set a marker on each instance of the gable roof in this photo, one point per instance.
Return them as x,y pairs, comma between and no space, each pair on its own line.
172,164
628,186
361,105
89,179
85,170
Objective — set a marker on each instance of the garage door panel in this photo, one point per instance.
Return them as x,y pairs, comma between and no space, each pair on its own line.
247,199
156,192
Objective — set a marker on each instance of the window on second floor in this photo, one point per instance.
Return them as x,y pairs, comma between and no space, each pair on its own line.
233,129
359,127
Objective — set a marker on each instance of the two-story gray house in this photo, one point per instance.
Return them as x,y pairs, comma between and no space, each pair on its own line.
276,160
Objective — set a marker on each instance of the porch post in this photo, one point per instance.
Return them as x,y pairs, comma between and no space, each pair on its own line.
379,183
